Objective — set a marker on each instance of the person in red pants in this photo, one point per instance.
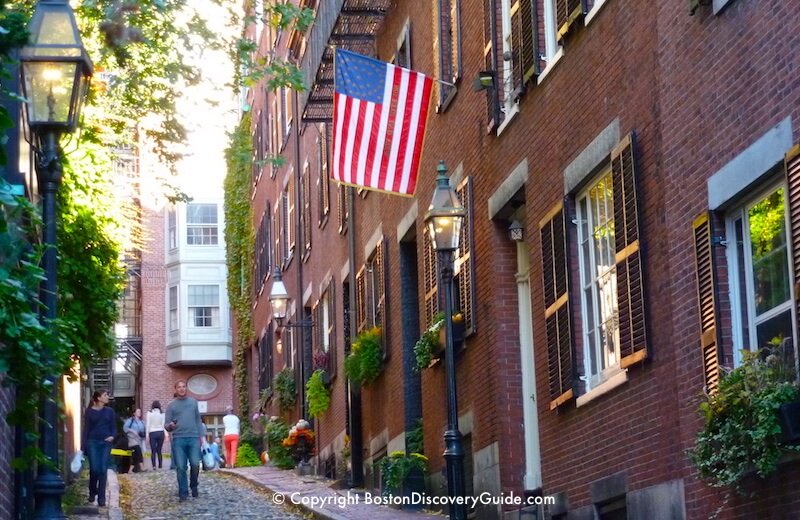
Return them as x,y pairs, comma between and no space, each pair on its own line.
231,438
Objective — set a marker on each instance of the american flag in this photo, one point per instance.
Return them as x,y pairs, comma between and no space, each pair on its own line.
379,114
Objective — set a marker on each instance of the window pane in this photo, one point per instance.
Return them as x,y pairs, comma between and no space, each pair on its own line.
779,327
201,213
769,251
203,295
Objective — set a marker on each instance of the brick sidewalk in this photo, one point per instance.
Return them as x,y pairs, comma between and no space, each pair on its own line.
92,512
287,484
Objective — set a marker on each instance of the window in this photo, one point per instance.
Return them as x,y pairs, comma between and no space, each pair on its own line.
598,280
305,214
463,268
504,75
173,308
172,229
449,50
758,263
323,183
265,362
551,45
607,275
263,249
201,224
204,305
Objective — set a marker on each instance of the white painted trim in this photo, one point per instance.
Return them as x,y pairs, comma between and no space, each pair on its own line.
551,63
593,12
603,388
510,115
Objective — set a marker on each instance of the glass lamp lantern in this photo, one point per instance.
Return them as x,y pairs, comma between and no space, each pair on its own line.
55,69
278,297
445,214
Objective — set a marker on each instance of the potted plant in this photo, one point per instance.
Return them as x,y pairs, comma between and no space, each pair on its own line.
285,388
300,442
321,361
319,396
430,345
742,431
403,473
365,361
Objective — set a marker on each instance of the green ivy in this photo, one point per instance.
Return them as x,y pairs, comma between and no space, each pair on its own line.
318,394
239,243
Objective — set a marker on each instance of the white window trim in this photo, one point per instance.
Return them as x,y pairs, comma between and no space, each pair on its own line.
736,294
218,306
177,308
593,11
592,381
550,65
617,379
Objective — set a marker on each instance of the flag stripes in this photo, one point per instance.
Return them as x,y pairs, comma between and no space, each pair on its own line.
380,112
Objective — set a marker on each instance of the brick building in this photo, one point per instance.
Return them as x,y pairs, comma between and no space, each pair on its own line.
619,136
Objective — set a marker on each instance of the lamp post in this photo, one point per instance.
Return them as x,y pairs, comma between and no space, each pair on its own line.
444,218
55,75
279,300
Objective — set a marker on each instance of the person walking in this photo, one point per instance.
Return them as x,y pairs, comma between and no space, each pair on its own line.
155,433
135,430
231,437
99,427
185,426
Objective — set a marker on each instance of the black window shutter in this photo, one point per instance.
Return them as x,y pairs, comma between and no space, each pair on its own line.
430,279
567,11
706,299
465,263
630,280
555,283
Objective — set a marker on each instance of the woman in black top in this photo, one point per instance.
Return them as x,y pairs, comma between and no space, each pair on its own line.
100,425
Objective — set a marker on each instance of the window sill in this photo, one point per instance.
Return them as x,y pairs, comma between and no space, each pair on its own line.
603,388
510,115
550,65
595,9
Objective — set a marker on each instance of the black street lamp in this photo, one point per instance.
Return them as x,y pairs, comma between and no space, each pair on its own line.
444,218
279,300
55,76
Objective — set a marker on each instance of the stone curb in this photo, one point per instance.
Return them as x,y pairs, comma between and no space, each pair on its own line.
317,514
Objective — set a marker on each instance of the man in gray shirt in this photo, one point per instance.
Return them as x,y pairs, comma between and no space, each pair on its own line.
185,426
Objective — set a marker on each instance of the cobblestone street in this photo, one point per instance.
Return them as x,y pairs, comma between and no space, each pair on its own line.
153,495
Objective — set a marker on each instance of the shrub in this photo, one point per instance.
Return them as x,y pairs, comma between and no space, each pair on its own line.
396,467
247,456
280,456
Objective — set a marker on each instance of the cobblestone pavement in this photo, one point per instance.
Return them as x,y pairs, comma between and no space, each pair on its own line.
153,495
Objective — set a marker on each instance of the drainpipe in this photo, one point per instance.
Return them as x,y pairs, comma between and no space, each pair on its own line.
305,336
354,400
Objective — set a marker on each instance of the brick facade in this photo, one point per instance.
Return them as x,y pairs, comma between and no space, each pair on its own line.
694,91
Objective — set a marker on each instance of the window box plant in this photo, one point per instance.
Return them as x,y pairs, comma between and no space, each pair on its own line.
365,361
319,396
430,345
742,430
285,388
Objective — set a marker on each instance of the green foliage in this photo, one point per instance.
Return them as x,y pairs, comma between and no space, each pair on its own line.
319,397
246,456
396,467
415,439
285,388
278,73
239,244
428,342
279,455
365,361
253,439
741,430
91,276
